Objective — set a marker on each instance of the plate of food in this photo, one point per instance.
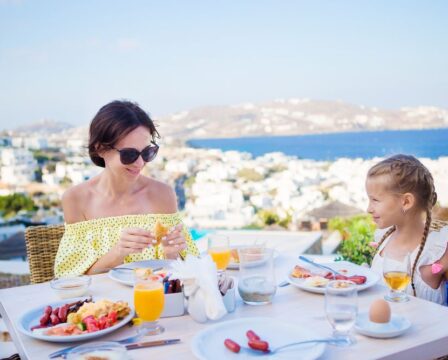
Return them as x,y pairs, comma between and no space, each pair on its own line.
125,273
75,319
310,278
234,263
209,343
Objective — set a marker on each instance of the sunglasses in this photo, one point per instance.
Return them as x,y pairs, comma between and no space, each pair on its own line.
130,155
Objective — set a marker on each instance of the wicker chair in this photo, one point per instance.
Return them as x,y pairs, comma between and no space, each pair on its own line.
42,244
436,225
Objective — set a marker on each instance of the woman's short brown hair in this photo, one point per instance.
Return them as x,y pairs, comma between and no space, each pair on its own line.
113,122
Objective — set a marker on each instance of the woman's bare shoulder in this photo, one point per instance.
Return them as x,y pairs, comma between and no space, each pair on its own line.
73,201
161,195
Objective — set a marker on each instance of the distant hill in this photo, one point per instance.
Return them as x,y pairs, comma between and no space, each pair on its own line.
294,117
44,127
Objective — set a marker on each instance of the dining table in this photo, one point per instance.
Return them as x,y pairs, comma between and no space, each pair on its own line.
427,338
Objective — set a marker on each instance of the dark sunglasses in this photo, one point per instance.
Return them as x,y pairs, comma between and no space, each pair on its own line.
130,155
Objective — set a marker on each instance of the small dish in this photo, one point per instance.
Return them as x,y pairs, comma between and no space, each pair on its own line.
99,350
397,326
71,287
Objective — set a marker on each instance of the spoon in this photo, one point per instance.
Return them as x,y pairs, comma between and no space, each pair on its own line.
279,348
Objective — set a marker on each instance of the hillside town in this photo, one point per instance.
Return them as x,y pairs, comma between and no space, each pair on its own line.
215,189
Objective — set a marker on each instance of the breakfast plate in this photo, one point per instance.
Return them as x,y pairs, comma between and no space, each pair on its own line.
348,268
209,343
31,318
397,326
126,277
234,260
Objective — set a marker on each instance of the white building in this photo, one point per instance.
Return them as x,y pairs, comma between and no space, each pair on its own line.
17,166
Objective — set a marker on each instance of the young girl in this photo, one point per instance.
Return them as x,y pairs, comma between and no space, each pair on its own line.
401,195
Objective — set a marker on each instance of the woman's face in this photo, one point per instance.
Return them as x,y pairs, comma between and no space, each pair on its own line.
384,205
138,138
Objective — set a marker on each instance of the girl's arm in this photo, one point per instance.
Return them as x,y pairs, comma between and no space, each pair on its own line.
434,274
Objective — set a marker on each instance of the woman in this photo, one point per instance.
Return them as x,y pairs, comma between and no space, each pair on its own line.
110,218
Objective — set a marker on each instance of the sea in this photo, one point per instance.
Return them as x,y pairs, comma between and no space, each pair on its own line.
432,143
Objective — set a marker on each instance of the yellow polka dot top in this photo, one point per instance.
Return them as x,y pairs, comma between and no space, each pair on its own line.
83,243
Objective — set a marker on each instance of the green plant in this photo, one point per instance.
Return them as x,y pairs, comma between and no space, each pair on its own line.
357,234
10,205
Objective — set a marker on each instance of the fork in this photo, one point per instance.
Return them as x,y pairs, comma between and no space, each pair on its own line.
103,270
63,353
309,261
279,348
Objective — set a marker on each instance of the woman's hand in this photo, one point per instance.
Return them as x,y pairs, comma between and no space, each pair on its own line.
134,240
174,242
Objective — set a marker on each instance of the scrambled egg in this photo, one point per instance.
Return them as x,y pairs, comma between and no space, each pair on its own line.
98,309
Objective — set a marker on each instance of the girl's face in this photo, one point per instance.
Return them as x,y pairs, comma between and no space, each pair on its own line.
384,205
138,138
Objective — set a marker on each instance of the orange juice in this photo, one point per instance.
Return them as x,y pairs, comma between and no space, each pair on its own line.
221,256
149,300
397,280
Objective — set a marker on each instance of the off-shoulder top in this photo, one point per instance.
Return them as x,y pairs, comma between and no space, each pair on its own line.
83,243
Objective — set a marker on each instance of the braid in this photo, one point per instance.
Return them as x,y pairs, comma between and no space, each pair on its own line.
422,245
385,236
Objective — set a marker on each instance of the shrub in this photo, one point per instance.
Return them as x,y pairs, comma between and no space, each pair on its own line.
357,234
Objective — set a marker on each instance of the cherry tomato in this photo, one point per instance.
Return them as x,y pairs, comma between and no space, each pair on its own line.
232,345
251,335
258,345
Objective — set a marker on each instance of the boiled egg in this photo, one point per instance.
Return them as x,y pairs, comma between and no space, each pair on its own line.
379,311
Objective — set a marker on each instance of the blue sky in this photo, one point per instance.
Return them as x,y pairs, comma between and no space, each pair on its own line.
62,60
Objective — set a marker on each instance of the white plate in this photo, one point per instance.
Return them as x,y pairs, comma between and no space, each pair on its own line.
209,343
396,326
126,277
236,266
31,318
352,269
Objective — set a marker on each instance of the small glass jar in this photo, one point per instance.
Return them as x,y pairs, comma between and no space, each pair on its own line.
99,350
71,287
256,284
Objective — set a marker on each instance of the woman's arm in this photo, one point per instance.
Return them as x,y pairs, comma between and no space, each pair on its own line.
132,240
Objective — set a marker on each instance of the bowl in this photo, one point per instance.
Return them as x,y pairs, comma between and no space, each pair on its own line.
71,287
99,350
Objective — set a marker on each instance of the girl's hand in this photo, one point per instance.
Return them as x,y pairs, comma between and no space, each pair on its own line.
133,240
174,242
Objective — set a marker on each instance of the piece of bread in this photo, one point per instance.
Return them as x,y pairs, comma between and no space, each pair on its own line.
143,273
300,272
160,231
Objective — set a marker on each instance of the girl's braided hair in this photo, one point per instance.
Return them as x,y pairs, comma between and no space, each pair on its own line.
409,175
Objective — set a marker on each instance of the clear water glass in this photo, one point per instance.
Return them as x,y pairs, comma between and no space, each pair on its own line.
341,308
256,284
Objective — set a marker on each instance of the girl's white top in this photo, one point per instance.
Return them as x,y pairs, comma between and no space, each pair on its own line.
435,247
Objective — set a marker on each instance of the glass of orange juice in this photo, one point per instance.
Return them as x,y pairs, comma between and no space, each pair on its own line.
397,275
219,250
149,300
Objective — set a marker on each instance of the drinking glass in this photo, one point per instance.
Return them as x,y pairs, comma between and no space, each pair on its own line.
256,284
149,300
397,275
219,250
341,307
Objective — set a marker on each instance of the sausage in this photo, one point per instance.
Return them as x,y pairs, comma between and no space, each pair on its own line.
62,314
259,345
251,335
54,319
232,345
48,309
44,319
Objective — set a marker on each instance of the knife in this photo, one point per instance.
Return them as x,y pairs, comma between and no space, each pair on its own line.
63,353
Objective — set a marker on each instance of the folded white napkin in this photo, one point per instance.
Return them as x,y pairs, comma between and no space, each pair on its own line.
200,280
